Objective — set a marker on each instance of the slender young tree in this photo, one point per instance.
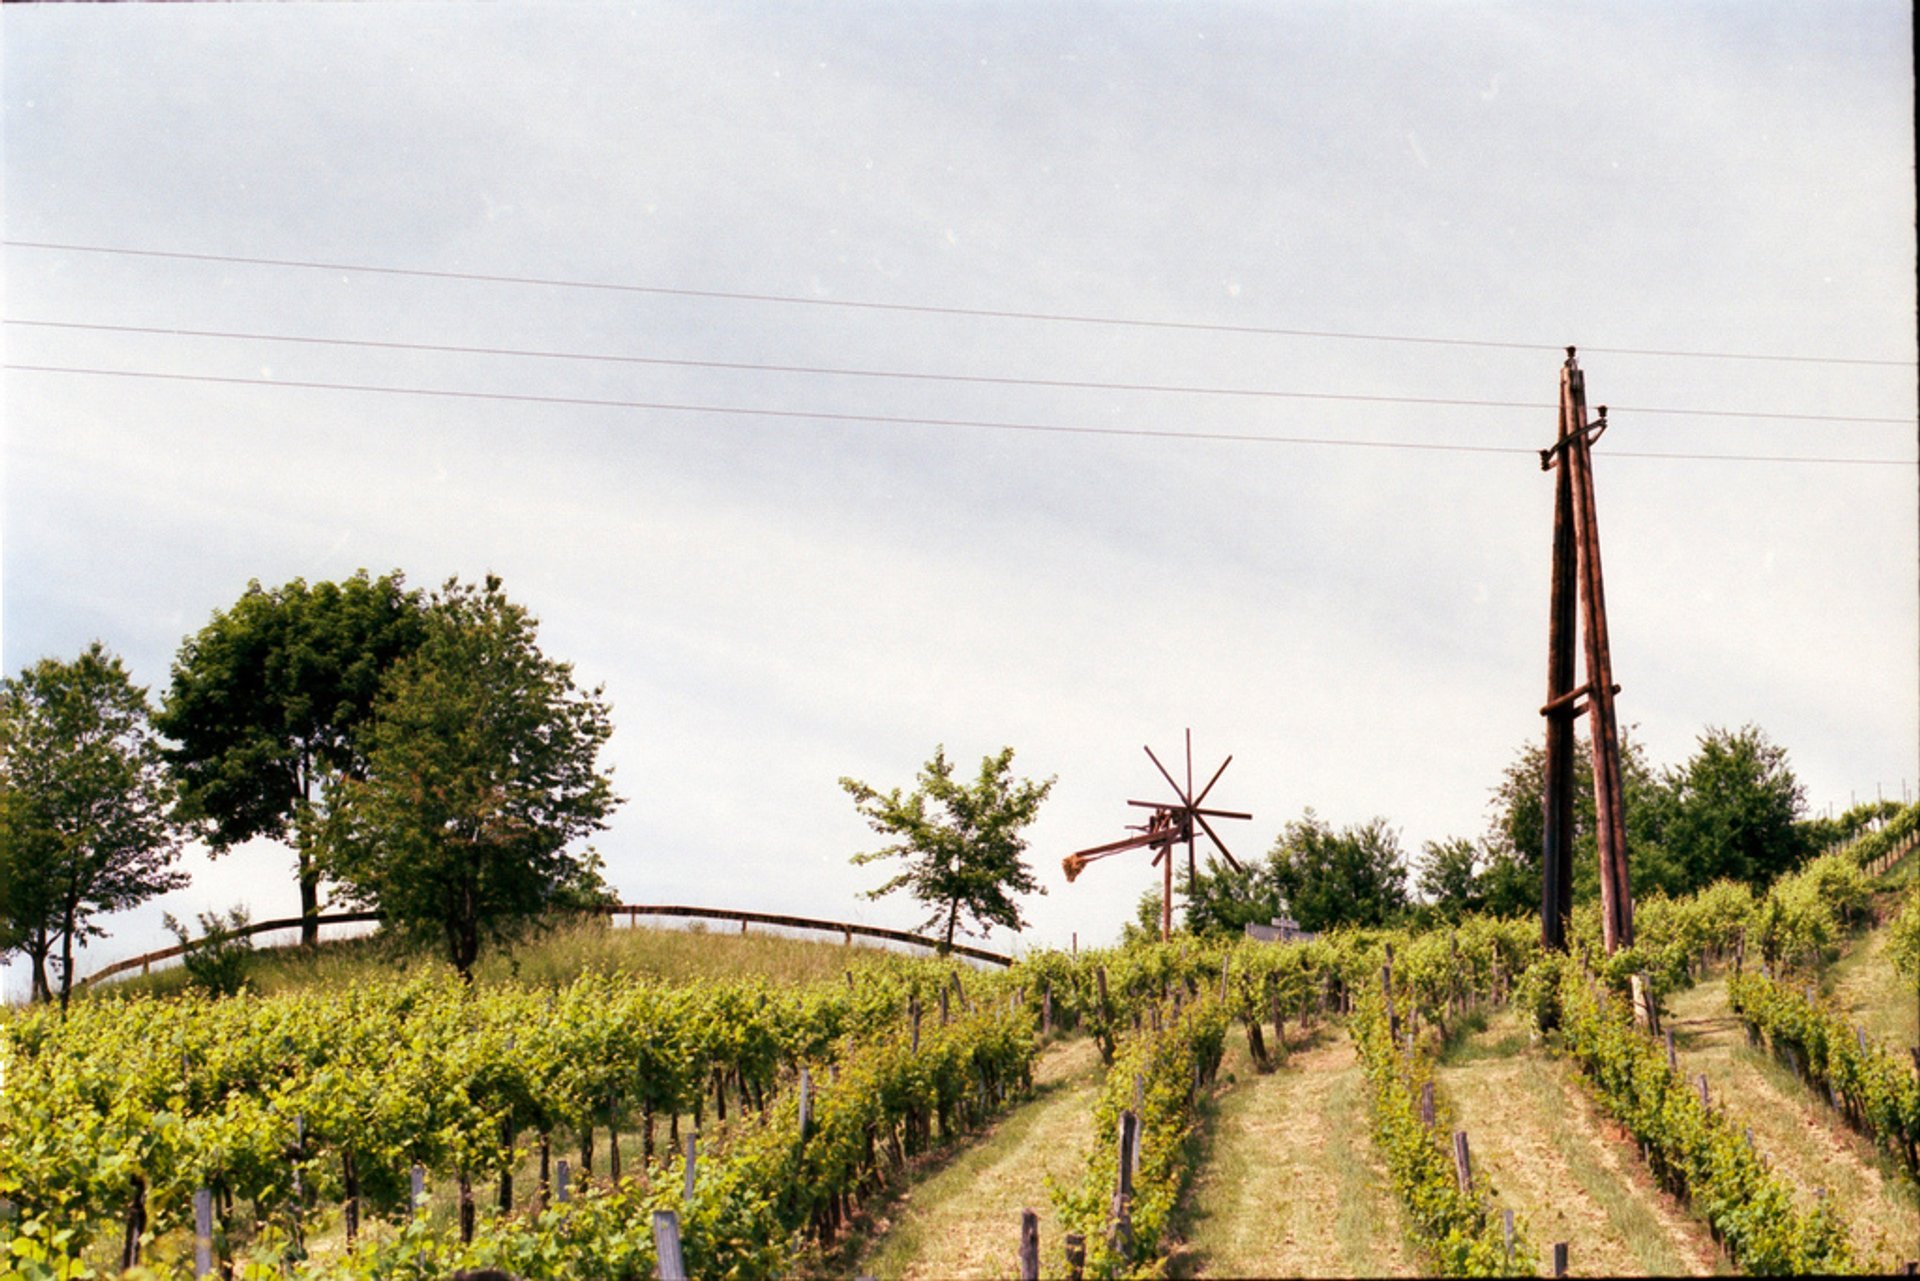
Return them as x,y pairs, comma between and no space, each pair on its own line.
479,776
961,841
265,701
84,806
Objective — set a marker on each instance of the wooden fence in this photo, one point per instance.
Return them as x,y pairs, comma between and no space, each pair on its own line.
632,911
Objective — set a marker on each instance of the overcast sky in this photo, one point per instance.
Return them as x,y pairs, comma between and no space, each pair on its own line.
774,600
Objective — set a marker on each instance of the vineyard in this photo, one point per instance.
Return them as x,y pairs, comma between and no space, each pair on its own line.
1449,1102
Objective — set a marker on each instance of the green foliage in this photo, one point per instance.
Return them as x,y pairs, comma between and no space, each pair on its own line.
1448,877
1456,1229
1903,937
1731,810
196,1092
266,701
962,841
1510,880
1804,916
1896,830
1694,1151
1173,1057
1144,928
1224,900
1875,1090
479,775
1822,834
85,806
217,964
1355,876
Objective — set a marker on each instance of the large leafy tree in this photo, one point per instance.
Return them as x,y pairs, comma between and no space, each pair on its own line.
961,841
265,702
1354,876
1732,810
480,774
84,806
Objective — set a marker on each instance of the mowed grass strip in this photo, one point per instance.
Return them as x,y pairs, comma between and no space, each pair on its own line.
1290,1186
1865,984
963,1220
1805,1140
1555,1160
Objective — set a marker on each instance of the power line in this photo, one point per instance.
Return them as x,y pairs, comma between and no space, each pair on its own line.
928,308
899,420
917,376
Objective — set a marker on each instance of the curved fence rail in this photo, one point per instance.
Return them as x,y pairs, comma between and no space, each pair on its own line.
846,928
632,911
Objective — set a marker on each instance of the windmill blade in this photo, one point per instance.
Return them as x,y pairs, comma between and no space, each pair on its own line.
1220,843
1215,779
1221,813
1163,774
1189,791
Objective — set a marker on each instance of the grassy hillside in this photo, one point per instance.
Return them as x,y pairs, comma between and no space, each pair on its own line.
554,957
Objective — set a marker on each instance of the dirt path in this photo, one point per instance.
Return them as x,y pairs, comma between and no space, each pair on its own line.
1806,1140
1290,1186
963,1220
1560,1165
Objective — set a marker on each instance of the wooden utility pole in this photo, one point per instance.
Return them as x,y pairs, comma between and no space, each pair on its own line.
1556,889
1576,556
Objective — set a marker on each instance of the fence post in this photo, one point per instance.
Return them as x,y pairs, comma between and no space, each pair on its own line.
417,1188
1559,1258
666,1246
1673,1060
913,1017
1029,1246
1426,1104
1506,1223
692,1142
561,1192
806,1105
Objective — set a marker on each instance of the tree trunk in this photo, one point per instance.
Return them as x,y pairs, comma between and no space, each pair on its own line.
309,899
953,918
308,874
66,958
37,947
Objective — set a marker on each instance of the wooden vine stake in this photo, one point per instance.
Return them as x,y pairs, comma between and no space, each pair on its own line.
202,1232
1029,1246
666,1246
1122,1210
1462,1162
